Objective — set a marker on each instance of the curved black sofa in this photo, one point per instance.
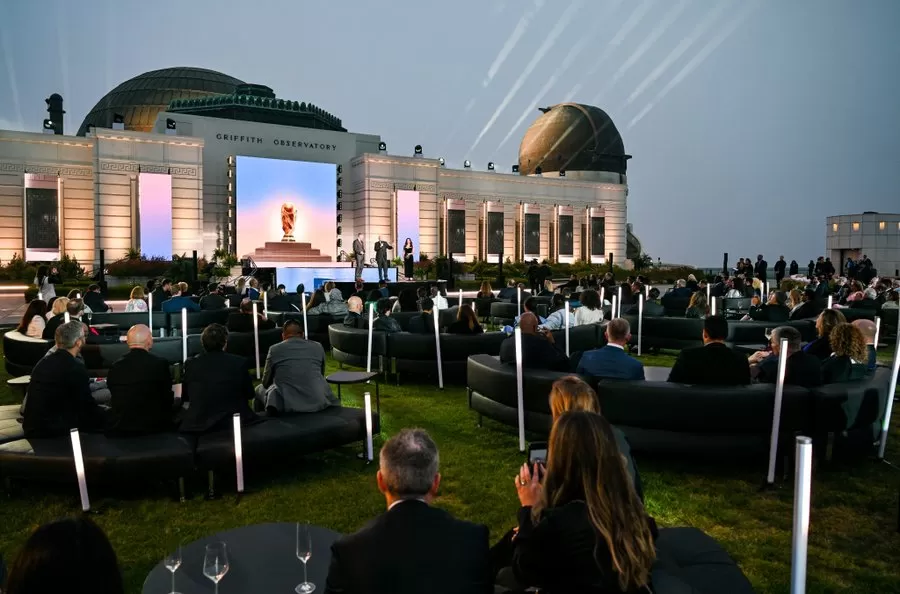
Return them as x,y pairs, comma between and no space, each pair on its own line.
21,353
665,417
682,333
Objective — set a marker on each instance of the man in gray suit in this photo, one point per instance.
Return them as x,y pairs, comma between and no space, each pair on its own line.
294,380
359,254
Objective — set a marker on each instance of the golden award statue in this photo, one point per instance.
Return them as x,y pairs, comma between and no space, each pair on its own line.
288,216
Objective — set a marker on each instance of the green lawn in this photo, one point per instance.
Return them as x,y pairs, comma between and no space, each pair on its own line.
854,545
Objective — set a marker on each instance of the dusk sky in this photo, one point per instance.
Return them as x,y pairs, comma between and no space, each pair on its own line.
749,121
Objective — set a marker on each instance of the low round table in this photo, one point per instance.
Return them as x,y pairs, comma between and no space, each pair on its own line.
342,378
261,558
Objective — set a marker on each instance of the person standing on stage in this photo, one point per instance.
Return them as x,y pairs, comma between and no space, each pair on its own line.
381,258
359,253
408,259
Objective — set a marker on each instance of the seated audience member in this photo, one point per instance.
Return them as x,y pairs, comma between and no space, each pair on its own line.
583,528
93,299
59,395
295,299
384,321
529,305
294,379
252,289
354,318
406,301
359,289
466,322
161,293
68,555
547,289
317,299
334,304
802,368
242,321
892,299
33,321
181,300
652,307
424,322
795,299
485,291
713,364
136,302
56,307
868,300
73,307
539,351
509,292
692,283
697,307
438,298
808,307
681,290
279,300
383,289
737,289
76,294
611,361
867,327
216,385
821,346
412,547
140,386
849,360
372,299
591,310
215,300
556,320
774,310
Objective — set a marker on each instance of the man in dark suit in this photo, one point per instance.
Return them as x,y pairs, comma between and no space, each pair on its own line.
611,361
162,292
75,307
94,300
141,388
761,270
713,364
381,258
216,385
279,300
242,321
508,292
354,318
539,350
413,548
59,395
780,267
869,300
359,254
180,301
773,311
809,308
802,368
424,322
215,299
653,308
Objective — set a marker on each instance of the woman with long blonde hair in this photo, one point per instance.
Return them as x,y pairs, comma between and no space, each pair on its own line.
584,529
485,292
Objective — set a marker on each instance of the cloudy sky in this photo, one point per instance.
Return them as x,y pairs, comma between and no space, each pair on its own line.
749,121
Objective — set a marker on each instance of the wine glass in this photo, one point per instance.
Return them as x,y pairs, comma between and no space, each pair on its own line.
304,552
173,562
769,337
215,563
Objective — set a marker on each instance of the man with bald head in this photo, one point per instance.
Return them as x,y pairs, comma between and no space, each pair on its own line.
539,350
353,319
141,387
868,330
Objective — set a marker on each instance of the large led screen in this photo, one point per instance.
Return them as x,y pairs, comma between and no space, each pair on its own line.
495,233
41,218
532,233
279,200
456,233
407,224
566,235
598,236
155,207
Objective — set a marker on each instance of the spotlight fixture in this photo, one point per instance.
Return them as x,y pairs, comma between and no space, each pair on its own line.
467,163
170,124
562,172
418,149
515,169
339,230
340,242
340,194
538,170
118,122
382,146
340,182
48,124
340,206
441,161
340,218
490,165
340,169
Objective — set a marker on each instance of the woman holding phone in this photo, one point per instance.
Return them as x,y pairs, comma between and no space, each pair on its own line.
46,280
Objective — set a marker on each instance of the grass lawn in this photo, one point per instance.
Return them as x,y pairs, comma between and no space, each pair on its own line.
854,545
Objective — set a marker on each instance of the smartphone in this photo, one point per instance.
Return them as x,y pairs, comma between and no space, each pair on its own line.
537,453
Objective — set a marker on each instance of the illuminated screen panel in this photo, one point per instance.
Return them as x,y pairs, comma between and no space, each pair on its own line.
598,236
456,232
155,208
407,222
532,233
495,232
264,186
41,217
566,235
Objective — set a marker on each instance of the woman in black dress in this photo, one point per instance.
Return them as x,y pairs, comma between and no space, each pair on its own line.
408,258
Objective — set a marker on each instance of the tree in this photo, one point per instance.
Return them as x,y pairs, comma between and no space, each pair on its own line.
643,262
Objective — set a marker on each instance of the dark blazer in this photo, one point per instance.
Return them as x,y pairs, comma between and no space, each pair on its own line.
241,322
611,362
387,324
381,249
217,385
94,300
59,398
353,320
176,304
770,313
422,324
865,303
711,365
537,353
216,301
159,296
802,369
562,553
820,347
809,309
842,369
760,268
53,323
140,385
462,327
412,549
654,309
779,267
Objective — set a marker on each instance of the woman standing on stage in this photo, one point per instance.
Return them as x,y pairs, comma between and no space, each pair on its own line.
408,259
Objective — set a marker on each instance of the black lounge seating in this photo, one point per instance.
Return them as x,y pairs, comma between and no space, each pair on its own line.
10,427
503,313
317,324
690,561
21,353
126,320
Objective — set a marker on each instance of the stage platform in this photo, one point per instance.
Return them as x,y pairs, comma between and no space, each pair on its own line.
314,274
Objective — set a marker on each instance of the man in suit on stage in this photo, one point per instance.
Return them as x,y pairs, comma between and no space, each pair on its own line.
412,547
359,254
713,364
611,361
381,258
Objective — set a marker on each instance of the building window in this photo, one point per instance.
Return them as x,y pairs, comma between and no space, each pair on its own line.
881,226
834,227
856,226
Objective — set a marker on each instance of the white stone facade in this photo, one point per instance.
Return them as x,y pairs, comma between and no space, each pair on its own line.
875,235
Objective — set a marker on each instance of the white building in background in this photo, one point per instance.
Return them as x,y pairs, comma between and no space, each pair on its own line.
871,234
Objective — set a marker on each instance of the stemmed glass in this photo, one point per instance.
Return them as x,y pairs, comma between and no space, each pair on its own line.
768,337
215,563
173,562
304,552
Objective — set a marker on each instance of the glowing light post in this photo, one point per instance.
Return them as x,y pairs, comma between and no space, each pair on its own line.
708,292
640,322
647,292
776,414
40,296
305,329
367,397
150,312
256,337
371,328
266,304
713,306
79,470
437,345
66,317
602,296
238,452
890,399
184,336
830,301
519,292
612,311
877,332
619,301
460,298
802,496
567,328
520,397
